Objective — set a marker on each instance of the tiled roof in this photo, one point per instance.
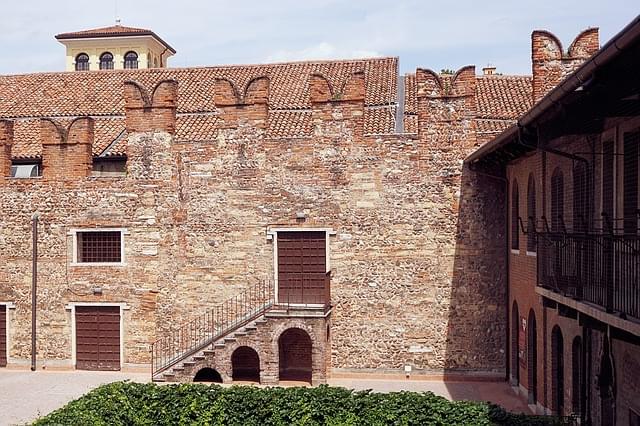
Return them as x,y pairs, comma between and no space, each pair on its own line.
112,31
505,97
498,98
100,94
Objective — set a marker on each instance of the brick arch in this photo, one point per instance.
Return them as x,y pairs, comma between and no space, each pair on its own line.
295,355
208,374
245,364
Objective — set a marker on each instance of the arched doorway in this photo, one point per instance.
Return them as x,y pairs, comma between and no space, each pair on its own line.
245,364
515,345
532,358
576,376
294,349
557,371
208,375
606,384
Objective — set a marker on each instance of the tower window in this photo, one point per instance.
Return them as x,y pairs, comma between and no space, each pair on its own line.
82,62
131,60
106,61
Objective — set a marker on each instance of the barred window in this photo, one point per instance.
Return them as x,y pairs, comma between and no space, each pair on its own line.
515,215
82,62
106,61
99,247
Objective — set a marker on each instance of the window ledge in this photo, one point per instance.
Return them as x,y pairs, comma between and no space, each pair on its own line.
117,264
532,253
515,251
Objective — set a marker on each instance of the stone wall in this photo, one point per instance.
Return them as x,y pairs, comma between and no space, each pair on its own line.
417,259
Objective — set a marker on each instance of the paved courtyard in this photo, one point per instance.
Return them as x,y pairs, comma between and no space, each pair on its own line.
26,395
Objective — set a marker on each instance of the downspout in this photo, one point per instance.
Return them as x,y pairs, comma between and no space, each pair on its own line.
34,287
506,263
162,56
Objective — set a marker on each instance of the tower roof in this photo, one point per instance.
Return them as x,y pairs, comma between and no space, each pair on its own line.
113,31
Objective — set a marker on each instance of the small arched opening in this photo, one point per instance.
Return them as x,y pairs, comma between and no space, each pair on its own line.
294,349
576,376
245,364
208,375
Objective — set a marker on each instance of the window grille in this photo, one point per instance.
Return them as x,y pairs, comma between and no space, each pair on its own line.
106,61
99,247
82,62
131,60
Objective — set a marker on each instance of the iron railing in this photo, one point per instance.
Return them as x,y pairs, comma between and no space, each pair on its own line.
213,325
229,316
602,268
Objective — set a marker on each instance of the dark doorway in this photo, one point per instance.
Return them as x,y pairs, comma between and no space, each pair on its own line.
208,375
245,364
576,376
515,345
294,347
532,358
606,384
557,370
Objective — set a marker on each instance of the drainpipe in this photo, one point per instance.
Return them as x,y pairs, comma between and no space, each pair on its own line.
34,287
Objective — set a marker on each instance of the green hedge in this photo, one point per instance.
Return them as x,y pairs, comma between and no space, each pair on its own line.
125,403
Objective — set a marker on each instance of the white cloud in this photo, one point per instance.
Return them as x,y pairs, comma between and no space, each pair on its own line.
322,50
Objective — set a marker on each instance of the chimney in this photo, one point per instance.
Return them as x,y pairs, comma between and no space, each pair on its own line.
6,141
550,64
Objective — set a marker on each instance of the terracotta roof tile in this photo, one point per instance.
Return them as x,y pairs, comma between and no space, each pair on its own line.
378,121
99,94
112,31
504,97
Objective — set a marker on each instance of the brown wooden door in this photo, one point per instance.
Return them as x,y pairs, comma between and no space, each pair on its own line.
302,267
98,337
3,335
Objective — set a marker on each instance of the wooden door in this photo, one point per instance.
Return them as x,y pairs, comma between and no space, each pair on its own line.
3,335
98,337
302,267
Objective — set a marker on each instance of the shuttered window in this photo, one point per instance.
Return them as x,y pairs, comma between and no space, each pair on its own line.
515,214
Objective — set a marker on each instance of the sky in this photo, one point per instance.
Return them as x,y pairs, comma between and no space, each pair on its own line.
425,34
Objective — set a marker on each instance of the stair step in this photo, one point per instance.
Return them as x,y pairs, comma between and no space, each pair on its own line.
260,321
177,368
240,333
208,352
188,363
159,379
219,345
229,339
250,328
168,374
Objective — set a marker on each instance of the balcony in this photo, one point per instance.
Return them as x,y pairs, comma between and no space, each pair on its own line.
601,268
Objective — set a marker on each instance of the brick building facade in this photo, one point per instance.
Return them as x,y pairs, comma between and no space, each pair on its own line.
570,170
187,208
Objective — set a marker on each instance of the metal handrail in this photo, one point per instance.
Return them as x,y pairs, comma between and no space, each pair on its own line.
213,325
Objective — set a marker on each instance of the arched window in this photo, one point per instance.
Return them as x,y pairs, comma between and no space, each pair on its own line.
531,214
580,200
576,376
557,200
557,371
532,358
515,345
131,60
106,61
515,214
82,62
